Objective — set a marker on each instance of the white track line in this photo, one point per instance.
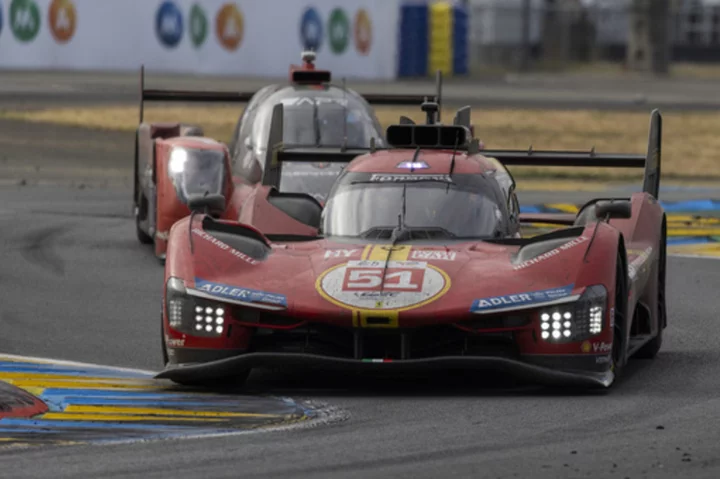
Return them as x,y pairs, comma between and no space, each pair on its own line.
61,362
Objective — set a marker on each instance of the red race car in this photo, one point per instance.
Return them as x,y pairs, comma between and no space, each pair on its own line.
416,262
173,161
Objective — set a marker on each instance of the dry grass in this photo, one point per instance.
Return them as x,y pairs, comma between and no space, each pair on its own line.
691,140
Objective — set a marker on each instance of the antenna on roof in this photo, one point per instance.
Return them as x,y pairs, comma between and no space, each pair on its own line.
345,136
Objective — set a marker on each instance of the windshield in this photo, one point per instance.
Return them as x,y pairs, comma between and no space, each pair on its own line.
196,172
316,179
370,206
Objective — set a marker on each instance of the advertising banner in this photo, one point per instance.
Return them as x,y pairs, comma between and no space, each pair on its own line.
353,38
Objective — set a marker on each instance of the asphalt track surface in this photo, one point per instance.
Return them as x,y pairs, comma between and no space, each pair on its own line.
77,286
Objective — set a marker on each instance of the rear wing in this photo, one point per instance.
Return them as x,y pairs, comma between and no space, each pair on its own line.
190,96
278,153
651,161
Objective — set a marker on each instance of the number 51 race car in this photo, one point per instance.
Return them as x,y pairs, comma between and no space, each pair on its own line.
416,262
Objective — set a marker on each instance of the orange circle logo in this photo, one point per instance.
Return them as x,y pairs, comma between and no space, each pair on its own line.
363,32
63,20
229,26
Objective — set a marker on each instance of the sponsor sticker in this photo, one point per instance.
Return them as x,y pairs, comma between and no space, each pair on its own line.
520,299
389,178
240,294
224,246
638,262
433,255
551,253
341,253
174,343
602,359
597,347
368,284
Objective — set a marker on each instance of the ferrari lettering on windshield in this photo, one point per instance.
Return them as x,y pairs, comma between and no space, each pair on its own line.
239,294
511,301
383,178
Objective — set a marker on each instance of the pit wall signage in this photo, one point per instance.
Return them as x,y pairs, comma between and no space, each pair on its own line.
353,38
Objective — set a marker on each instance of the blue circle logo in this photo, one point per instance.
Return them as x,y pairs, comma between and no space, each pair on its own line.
311,30
169,24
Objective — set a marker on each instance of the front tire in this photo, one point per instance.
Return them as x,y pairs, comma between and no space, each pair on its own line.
140,213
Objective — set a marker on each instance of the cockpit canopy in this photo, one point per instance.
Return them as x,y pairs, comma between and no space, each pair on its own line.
313,117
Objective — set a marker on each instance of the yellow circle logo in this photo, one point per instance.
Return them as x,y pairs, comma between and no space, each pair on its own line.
369,285
585,347
363,32
63,20
229,26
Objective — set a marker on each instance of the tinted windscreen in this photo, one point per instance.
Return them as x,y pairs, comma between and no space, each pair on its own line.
196,172
466,208
316,179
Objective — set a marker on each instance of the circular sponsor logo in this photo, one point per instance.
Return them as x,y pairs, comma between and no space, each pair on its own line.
363,32
585,347
198,26
63,20
339,31
403,285
229,26
311,30
24,19
169,24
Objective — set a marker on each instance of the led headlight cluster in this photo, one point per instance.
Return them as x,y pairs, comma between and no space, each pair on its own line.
194,316
208,319
576,321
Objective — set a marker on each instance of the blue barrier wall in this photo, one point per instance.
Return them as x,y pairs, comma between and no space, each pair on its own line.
423,38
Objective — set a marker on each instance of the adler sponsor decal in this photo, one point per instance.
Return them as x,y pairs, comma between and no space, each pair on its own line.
225,247
518,300
240,294
554,252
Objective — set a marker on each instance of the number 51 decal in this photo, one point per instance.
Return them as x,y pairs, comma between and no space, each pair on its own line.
395,280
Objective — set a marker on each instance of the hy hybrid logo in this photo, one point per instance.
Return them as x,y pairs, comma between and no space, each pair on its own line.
24,20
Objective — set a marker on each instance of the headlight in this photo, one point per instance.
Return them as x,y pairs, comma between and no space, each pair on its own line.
196,172
577,321
194,316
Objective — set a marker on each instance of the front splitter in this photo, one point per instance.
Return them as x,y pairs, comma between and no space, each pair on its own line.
518,369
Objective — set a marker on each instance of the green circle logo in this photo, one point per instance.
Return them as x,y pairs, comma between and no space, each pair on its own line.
198,26
338,31
24,20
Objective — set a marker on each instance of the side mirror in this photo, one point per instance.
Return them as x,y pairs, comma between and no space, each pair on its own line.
213,205
613,209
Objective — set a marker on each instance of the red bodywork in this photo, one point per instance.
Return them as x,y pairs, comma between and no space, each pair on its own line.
441,288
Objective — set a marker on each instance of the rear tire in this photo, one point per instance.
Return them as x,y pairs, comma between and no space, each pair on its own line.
140,212
652,347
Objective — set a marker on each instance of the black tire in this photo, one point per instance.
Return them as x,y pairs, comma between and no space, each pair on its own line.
652,347
140,212
619,348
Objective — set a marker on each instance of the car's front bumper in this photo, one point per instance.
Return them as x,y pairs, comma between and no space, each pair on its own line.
517,368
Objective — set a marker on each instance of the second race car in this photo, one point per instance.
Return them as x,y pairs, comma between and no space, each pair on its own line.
416,262
173,161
